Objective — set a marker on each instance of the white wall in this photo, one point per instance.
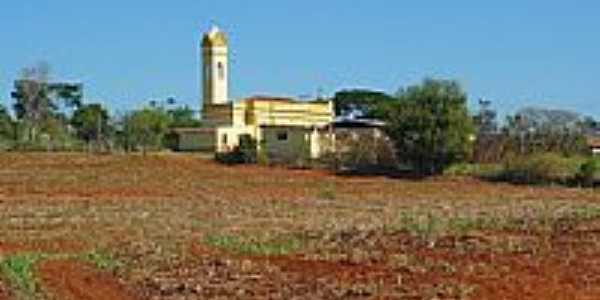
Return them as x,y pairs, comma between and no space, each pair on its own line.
233,137
215,82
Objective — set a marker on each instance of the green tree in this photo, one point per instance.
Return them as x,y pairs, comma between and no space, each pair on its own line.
91,122
430,125
37,100
145,129
183,116
360,102
6,124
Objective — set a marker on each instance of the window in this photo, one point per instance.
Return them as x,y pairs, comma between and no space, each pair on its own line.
221,70
224,139
282,136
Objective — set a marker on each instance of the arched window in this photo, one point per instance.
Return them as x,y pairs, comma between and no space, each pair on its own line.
221,70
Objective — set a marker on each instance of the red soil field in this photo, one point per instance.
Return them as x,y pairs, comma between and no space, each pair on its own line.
75,281
148,212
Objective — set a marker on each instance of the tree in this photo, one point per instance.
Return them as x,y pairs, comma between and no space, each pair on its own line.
183,116
91,122
37,100
536,130
485,120
430,125
145,128
6,124
490,144
360,102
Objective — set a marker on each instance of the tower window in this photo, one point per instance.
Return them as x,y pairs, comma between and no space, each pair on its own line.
221,70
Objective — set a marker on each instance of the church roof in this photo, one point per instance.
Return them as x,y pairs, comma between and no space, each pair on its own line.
215,38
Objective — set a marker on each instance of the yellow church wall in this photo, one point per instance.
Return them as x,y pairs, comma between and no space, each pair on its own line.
288,113
297,143
262,119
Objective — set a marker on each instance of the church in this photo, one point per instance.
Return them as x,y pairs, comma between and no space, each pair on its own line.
279,125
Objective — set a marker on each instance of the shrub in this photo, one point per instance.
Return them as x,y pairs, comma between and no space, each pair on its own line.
234,157
245,153
364,154
589,173
248,149
262,158
541,169
474,170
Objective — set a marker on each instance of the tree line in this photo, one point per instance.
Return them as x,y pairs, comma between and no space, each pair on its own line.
54,116
431,127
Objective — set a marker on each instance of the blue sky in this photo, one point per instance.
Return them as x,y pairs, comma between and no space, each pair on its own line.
515,53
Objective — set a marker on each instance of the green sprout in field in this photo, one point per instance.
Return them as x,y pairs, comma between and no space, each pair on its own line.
102,260
18,270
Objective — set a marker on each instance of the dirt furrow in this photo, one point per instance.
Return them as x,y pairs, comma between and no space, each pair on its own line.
71,280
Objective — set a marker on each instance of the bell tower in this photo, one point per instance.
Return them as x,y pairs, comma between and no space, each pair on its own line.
215,68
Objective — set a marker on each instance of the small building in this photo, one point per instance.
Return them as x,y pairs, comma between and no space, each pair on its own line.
192,139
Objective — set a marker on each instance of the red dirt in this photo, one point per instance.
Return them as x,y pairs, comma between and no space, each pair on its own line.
568,269
77,281
343,271
514,276
4,294
55,246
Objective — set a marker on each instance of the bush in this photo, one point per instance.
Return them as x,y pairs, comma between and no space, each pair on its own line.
234,157
589,173
541,169
245,153
474,170
364,154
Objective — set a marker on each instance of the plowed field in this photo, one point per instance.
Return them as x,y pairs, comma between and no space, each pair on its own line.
75,226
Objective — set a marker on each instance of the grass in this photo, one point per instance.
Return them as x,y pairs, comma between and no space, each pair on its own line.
18,270
544,218
253,246
102,260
